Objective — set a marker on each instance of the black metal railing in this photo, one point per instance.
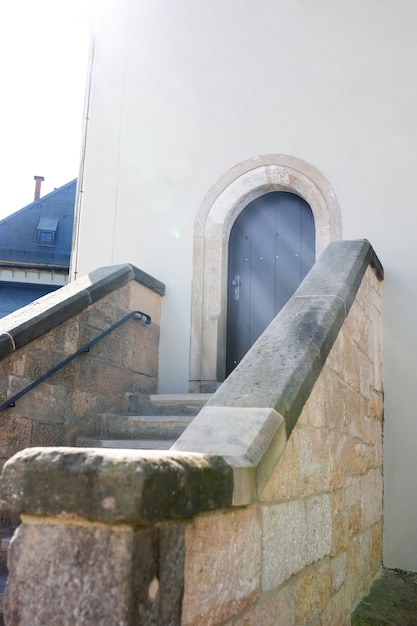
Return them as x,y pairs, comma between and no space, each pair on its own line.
134,314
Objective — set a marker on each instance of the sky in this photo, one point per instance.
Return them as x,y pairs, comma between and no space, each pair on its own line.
44,47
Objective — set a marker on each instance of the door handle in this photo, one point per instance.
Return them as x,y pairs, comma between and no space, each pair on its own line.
236,287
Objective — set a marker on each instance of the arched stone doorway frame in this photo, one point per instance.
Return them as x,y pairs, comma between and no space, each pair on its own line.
220,208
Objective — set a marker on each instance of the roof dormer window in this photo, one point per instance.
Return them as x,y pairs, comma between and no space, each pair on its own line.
46,231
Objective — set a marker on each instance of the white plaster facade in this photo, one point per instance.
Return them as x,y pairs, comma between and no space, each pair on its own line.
182,94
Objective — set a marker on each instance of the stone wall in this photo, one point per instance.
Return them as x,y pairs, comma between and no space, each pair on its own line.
38,337
286,533
307,552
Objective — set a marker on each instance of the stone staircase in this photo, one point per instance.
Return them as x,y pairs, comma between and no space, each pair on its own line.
151,422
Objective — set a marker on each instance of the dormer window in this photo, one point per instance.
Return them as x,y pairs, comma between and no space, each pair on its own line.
46,231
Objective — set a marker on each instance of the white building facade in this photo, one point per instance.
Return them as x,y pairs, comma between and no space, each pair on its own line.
194,109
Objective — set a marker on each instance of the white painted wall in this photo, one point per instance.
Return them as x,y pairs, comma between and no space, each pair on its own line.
182,91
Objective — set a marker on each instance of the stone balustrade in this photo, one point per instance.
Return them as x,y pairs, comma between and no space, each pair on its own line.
38,337
267,511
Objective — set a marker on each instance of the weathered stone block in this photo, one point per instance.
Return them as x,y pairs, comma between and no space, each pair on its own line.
141,359
222,572
359,567
340,522
101,316
84,407
144,384
324,407
357,321
74,574
338,571
366,374
307,600
273,609
16,365
341,457
120,298
324,583
318,537
351,372
65,338
46,402
115,486
15,433
353,410
315,462
376,405
376,548
47,434
109,350
284,482
284,537
295,534
371,497
336,611
334,359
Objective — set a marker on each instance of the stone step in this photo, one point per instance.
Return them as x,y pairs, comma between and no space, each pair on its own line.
130,444
166,404
144,426
156,424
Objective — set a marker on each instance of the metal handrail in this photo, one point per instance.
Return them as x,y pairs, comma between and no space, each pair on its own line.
136,314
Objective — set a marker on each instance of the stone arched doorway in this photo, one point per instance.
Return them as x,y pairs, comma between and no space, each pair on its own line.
225,201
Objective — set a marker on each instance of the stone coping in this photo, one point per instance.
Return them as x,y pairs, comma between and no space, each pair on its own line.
227,454
131,487
31,321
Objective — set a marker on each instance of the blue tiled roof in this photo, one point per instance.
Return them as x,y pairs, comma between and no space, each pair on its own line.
13,296
19,231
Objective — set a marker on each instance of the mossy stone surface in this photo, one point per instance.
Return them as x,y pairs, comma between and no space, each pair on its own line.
115,486
391,601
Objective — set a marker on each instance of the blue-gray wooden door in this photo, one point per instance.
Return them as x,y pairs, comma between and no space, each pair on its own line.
271,249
